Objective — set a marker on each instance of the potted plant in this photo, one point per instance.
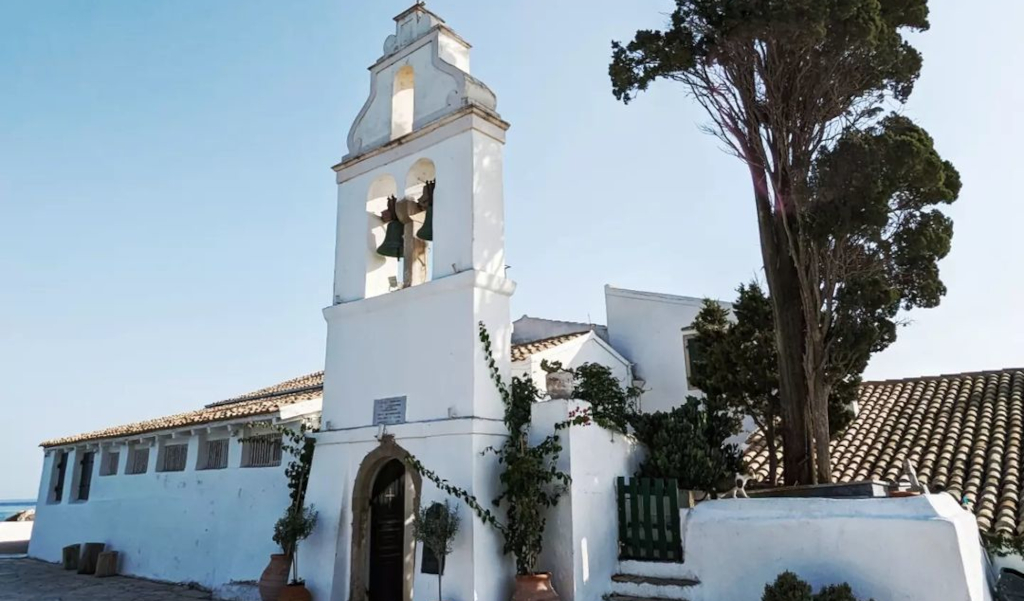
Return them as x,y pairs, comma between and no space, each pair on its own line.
296,525
297,522
436,527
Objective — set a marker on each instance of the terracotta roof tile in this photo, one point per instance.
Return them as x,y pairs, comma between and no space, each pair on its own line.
524,350
962,432
261,402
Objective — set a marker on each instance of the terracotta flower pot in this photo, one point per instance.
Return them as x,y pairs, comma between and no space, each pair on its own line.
275,577
295,592
535,587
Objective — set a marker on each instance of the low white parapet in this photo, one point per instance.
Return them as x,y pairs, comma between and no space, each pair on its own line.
923,548
14,534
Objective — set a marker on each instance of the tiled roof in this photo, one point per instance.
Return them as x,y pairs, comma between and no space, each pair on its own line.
261,402
523,351
962,432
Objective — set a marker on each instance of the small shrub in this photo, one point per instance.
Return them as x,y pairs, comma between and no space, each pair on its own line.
787,587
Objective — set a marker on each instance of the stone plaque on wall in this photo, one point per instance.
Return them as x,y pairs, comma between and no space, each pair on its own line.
389,411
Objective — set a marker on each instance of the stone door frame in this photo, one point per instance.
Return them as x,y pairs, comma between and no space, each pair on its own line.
361,493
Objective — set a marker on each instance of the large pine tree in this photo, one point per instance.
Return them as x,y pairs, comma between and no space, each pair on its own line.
845,192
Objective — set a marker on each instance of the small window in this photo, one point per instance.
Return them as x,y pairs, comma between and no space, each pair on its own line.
138,461
173,458
213,455
691,353
60,468
261,451
108,466
85,475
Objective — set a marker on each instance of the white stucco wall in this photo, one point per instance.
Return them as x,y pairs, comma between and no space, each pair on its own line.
13,532
648,329
913,549
588,348
581,540
210,527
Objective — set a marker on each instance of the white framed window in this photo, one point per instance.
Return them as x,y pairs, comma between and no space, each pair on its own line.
138,461
213,454
172,457
109,462
261,451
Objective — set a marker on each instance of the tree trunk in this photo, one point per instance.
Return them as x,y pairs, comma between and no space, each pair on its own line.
784,289
773,459
819,419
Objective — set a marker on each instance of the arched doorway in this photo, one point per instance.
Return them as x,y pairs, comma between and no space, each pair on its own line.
387,533
383,490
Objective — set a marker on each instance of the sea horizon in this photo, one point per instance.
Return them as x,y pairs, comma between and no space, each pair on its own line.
9,507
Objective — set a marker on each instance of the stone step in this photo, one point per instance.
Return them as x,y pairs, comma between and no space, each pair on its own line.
636,587
654,580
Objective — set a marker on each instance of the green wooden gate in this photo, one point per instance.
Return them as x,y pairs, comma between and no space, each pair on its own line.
649,519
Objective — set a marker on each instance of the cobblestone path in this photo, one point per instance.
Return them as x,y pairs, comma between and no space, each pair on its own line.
30,580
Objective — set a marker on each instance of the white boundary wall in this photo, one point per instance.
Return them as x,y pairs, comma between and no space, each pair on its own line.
913,549
581,538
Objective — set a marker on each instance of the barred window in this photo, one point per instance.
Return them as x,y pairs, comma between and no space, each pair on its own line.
108,467
213,455
261,451
138,461
173,458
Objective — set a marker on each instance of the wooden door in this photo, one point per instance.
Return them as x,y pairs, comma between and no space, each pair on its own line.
387,533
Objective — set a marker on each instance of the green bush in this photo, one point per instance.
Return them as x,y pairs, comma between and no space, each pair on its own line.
789,587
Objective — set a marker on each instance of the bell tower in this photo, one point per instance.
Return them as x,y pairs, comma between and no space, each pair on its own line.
419,263
420,255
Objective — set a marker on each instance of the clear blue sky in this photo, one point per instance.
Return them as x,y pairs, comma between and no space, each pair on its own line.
167,204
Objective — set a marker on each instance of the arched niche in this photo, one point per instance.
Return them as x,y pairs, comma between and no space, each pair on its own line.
362,489
403,102
421,172
379,269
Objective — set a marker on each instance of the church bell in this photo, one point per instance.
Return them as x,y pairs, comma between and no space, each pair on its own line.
394,234
427,202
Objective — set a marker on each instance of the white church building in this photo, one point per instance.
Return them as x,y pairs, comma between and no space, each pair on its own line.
420,256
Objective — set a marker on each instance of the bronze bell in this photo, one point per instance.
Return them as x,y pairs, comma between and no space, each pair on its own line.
427,202
394,235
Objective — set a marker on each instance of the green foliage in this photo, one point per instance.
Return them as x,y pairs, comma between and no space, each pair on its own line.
789,587
1003,545
530,481
859,40
612,406
296,525
436,526
688,444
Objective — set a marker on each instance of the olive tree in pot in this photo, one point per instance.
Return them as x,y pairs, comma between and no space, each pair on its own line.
298,520
530,482
436,527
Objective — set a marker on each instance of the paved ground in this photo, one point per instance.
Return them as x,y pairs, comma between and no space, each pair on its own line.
31,580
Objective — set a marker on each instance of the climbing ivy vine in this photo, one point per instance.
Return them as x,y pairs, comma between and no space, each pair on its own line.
530,481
